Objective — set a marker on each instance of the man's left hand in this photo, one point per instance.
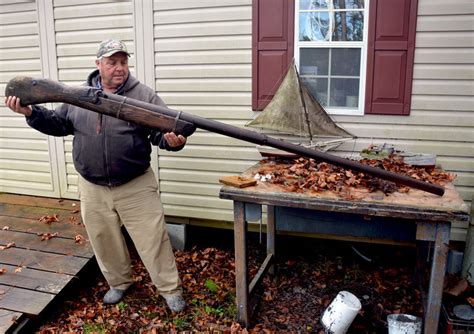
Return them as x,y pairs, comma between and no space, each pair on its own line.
174,140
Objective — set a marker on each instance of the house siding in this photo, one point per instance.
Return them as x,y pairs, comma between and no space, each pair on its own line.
202,65
25,164
79,26
448,28
441,119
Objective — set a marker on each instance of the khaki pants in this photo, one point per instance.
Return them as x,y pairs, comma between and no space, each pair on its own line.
138,207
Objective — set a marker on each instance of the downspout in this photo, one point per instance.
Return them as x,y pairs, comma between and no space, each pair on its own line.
468,261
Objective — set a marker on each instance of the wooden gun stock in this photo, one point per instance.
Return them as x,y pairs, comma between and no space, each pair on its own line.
33,91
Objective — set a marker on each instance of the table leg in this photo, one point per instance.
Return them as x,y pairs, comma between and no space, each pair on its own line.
438,270
241,270
271,235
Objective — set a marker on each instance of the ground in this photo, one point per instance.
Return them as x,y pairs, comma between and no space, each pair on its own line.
310,274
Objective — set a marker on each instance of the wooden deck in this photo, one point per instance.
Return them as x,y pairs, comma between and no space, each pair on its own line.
36,268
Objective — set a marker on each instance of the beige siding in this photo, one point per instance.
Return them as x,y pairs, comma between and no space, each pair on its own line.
442,107
445,49
203,66
79,27
25,162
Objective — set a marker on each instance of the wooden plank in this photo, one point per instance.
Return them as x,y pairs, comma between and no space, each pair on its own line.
32,279
43,202
46,266
238,181
25,301
8,319
66,229
33,259
32,212
55,245
241,264
261,273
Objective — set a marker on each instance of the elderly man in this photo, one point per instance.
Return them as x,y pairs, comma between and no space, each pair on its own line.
116,184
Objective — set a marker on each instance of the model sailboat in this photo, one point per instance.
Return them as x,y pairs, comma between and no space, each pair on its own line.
294,111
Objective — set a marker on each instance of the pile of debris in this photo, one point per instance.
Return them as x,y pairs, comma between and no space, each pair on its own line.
306,175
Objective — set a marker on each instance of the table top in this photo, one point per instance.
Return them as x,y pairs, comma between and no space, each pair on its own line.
414,204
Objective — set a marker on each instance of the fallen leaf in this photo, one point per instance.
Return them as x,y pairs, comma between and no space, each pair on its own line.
79,239
47,236
470,300
49,219
9,245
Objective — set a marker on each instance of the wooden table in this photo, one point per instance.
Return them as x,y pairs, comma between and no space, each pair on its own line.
426,216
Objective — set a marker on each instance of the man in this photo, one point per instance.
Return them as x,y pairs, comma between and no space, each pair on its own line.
116,184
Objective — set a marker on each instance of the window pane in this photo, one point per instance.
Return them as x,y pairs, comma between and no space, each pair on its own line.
314,26
348,26
344,93
314,61
348,4
318,87
313,4
345,62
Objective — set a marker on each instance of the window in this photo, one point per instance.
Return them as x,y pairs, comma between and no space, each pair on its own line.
330,51
357,57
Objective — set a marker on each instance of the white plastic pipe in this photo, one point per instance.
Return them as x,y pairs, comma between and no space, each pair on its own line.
339,315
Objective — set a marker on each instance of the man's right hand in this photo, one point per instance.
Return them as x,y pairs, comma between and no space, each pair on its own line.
13,103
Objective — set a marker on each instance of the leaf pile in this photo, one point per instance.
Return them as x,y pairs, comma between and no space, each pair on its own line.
306,175
292,301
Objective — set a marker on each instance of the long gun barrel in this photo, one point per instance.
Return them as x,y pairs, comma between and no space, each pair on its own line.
35,91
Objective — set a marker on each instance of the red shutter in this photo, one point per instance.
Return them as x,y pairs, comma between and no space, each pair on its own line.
392,26
272,47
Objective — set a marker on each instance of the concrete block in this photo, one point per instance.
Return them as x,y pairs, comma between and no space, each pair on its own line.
177,234
454,263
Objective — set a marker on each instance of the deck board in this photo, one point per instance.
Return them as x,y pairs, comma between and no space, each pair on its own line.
57,263
36,271
8,319
23,300
57,245
33,212
65,229
34,279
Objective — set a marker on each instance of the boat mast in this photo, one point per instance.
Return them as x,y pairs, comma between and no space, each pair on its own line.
306,115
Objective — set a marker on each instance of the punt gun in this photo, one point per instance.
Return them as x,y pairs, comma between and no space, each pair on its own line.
35,91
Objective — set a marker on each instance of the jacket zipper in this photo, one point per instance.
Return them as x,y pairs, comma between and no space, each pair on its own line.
106,151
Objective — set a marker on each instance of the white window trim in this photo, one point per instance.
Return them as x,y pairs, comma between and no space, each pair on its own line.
363,61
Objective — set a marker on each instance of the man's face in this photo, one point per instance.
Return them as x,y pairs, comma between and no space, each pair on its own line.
113,70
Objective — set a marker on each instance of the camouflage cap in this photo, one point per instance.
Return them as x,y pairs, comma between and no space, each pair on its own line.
111,46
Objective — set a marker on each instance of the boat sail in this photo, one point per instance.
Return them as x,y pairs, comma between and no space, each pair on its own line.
295,111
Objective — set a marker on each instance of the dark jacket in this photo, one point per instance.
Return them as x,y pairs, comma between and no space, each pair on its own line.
106,150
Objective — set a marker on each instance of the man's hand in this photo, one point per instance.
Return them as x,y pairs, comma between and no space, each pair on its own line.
13,103
173,140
